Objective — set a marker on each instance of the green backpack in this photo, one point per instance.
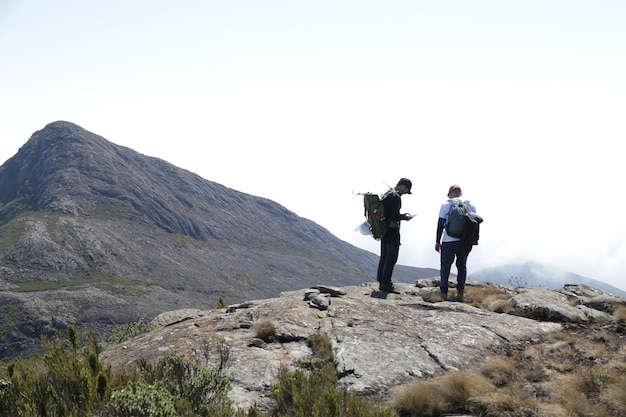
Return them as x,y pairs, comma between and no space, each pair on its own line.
375,213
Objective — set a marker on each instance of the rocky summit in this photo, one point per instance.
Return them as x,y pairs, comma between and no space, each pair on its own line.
380,341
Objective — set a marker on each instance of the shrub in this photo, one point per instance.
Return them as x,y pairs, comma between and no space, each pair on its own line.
221,349
203,390
138,399
126,331
67,380
18,394
314,394
70,380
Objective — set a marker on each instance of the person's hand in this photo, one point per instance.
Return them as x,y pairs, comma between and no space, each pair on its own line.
408,216
437,246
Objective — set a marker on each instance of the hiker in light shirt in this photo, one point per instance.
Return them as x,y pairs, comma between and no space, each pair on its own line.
451,247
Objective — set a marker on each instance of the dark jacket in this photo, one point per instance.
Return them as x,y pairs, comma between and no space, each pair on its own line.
471,232
392,203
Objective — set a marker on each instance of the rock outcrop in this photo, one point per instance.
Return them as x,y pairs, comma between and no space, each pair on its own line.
380,340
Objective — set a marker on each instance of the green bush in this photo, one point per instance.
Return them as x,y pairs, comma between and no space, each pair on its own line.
70,380
205,392
126,331
65,381
17,396
139,399
315,394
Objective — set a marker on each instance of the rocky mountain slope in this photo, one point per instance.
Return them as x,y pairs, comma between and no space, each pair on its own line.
95,234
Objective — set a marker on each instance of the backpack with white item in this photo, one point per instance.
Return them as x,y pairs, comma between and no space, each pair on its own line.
376,221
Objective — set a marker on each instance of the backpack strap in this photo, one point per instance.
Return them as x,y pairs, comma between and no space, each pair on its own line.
388,193
452,201
393,224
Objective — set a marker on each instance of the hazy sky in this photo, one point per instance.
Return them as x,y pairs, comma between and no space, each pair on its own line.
306,103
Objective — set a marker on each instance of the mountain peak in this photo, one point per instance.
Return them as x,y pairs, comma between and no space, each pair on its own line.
532,273
52,167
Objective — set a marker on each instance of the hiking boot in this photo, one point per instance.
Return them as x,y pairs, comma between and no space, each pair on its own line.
460,295
388,288
444,295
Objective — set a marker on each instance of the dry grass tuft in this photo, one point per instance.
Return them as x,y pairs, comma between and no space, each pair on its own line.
489,297
577,372
266,331
620,313
418,399
512,401
577,404
447,394
615,396
499,370
591,382
322,346
619,318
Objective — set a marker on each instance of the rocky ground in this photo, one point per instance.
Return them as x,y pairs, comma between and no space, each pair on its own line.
384,341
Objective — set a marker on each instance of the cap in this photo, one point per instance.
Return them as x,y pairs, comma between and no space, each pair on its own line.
407,183
454,187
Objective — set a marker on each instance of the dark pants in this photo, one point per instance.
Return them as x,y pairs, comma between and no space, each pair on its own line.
450,251
388,258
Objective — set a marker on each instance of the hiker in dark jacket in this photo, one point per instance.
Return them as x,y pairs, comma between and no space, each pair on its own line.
452,247
390,243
